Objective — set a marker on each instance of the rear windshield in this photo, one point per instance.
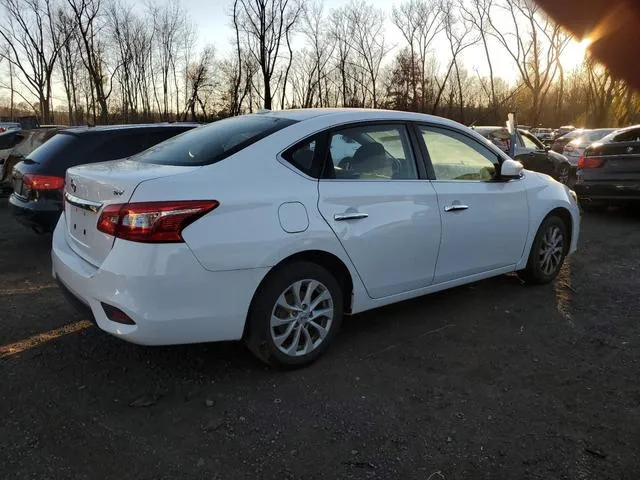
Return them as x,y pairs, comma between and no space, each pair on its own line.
51,149
212,143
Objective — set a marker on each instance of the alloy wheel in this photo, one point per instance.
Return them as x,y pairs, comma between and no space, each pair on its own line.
551,250
302,317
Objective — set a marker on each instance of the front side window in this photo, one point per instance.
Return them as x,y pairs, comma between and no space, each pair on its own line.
457,157
371,152
214,142
529,142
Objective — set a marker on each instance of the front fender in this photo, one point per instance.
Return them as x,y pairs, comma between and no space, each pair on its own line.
544,195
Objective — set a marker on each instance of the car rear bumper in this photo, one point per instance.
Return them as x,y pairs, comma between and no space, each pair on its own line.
171,298
40,215
608,191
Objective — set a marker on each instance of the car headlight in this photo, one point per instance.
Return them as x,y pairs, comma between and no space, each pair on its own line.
572,196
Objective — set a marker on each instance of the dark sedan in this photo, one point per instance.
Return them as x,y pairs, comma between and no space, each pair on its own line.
38,180
609,171
530,152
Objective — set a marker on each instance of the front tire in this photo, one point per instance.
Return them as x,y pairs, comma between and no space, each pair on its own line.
295,315
548,252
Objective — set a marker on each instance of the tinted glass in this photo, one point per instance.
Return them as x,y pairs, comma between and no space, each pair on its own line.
372,152
529,143
632,135
9,140
456,157
57,147
211,143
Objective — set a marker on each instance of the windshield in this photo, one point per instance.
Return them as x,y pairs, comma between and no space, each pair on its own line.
213,142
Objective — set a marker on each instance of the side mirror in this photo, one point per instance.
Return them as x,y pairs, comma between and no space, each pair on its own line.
510,169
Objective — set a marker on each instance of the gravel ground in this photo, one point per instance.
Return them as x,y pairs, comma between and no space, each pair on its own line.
492,380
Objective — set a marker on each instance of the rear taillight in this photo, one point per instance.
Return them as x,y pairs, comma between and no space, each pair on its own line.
42,182
152,222
589,162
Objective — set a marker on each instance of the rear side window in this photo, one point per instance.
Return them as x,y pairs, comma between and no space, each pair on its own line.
10,140
214,142
57,147
628,136
304,157
114,147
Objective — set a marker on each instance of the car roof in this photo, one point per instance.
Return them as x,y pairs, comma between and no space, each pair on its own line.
122,128
365,114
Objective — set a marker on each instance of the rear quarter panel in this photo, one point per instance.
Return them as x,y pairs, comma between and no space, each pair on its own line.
244,231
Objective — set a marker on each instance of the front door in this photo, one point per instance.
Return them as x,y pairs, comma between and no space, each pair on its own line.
384,215
484,221
536,157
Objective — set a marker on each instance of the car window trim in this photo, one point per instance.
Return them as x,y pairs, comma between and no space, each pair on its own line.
499,158
420,170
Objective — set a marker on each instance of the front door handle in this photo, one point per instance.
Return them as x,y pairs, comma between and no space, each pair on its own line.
455,207
338,217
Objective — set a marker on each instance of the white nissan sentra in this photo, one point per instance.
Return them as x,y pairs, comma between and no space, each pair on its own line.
270,227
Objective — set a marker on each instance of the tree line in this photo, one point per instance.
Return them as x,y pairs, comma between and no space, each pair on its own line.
118,62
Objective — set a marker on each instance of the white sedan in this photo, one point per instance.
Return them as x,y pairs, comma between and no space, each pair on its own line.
269,227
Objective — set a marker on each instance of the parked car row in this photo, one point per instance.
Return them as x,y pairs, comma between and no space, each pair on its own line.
15,145
531,153
268,228
38,180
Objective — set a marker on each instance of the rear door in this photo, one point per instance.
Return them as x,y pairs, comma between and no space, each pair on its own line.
484,222
381,207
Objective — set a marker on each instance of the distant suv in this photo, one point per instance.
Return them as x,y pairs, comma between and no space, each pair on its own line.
38,180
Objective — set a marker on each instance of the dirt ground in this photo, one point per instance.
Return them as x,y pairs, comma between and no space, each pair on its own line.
495,380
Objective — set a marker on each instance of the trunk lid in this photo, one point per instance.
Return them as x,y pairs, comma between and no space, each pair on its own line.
88,188
620,162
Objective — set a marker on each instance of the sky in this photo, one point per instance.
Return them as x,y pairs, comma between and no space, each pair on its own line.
214,27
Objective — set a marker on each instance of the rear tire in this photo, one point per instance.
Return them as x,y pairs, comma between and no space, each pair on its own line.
295,315
548,252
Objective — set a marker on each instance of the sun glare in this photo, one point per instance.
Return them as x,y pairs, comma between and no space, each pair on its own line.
575,53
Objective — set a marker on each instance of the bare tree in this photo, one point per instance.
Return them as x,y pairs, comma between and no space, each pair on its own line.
529,42
419,21
459,37
69,63
86,15
368,44
266,25
169,26
199,79
340,28
34,45
476,13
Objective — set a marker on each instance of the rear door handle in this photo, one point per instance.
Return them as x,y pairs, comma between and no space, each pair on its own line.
455,208
339,217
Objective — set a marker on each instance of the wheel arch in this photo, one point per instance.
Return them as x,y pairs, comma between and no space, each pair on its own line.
324,259
565,215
